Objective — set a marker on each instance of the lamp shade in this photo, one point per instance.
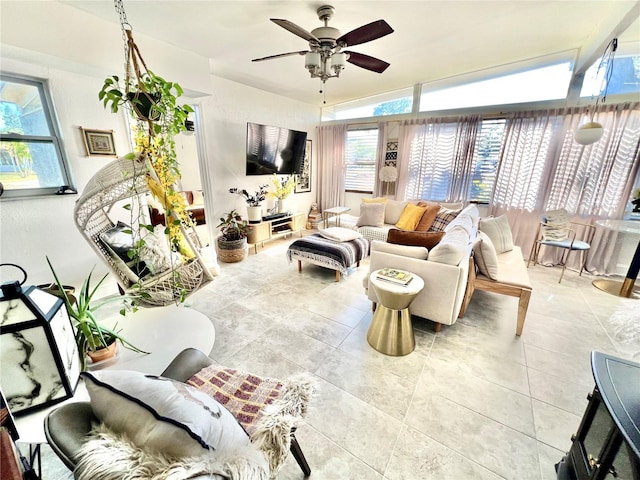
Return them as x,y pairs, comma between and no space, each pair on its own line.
588,133
388,174
312,60
38,352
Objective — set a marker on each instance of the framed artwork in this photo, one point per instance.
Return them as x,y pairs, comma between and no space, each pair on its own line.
99,142
303,180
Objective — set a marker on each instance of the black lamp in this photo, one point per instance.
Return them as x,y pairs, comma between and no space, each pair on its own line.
38,352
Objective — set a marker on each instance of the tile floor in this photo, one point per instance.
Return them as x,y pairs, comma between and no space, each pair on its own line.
471,402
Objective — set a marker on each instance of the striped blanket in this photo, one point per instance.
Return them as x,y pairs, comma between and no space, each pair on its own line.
329,253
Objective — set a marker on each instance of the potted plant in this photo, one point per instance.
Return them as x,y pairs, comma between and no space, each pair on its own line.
232,242
282,189
254,210
93,339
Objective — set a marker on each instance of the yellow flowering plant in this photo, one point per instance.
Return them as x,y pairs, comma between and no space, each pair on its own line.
282,188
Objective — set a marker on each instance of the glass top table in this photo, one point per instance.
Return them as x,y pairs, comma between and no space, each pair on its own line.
625,288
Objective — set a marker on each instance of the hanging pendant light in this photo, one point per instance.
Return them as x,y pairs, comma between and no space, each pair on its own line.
591,131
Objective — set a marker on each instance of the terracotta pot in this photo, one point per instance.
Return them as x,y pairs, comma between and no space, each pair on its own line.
103,353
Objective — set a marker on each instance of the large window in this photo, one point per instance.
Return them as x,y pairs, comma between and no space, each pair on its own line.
391,103
360,160
31,158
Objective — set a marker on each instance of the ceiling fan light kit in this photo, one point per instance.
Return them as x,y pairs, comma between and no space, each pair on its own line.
325,58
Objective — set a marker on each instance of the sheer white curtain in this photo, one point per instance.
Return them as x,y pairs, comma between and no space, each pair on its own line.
436,156
381,152
331,167
542,168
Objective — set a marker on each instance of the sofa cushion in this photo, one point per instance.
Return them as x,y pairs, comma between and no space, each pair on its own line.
393,210
443,218
485,256
417,239
339,234
452,248
428,217
410,217
420,253
371,214
498,230
374,200
163,414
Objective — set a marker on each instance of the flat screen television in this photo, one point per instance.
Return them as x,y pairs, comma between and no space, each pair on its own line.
274,150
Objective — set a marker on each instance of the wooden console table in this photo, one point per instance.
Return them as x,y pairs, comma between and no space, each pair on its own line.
276,228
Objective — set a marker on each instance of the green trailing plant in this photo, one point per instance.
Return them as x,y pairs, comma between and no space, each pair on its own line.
90,334
233,227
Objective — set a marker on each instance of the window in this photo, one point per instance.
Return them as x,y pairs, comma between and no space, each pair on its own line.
392,103
456,160
534,85
360,160
625,77
31,158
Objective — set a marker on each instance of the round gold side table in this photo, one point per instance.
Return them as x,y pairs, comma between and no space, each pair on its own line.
391,331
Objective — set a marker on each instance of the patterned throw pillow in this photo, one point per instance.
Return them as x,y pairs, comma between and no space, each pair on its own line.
557,225
443,218
499,231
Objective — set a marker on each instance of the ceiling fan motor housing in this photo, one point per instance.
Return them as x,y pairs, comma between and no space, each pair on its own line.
326,35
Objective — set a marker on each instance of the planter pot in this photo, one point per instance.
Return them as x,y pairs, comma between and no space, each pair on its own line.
103,353
232,251
142,103
254,214
53,289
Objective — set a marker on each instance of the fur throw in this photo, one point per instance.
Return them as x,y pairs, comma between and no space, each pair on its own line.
107,455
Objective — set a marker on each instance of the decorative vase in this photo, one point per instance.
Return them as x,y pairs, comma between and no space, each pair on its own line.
103,353
282,207
254,214
232,251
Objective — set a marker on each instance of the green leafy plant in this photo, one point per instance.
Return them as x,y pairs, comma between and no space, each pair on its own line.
90,334
233,227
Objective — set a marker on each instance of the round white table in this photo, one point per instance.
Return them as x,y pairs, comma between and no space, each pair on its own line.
626,287
162,331
391,331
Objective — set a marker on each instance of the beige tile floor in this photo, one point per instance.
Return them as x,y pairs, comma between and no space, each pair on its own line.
471,402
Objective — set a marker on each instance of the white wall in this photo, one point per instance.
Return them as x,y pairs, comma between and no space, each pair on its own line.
72,50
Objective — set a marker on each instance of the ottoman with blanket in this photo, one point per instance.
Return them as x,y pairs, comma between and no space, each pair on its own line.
335,248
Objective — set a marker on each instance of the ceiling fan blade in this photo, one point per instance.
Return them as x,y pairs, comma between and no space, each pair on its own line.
365,33
296,30
365,61
301,52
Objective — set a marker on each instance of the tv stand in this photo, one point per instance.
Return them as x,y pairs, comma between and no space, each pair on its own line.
273,228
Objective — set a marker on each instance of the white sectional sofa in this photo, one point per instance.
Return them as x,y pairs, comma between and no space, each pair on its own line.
444,269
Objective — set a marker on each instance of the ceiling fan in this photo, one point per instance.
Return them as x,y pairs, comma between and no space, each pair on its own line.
326,57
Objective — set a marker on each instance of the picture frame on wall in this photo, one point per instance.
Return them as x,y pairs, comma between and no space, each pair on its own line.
303,180
98,142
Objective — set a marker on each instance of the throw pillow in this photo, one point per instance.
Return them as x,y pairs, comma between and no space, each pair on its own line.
393,210
485,256
120,239
162,414
410,217
374,200
428,217
443,218
155,252
556,225
339,234
498,230
371,214
198,197
416,239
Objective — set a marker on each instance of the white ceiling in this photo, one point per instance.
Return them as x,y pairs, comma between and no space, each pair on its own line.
433,40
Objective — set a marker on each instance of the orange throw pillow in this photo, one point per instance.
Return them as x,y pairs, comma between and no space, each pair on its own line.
415,239
428,217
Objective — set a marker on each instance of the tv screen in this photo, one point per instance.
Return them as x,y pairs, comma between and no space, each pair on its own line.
274,150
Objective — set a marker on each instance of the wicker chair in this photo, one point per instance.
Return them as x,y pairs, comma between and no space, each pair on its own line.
114,183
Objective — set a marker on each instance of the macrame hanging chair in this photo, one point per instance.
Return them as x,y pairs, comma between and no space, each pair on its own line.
121,180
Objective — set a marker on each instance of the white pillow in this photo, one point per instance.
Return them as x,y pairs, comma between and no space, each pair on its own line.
155,252
393,210
371,214
499,231
163,415
339,234
485,256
